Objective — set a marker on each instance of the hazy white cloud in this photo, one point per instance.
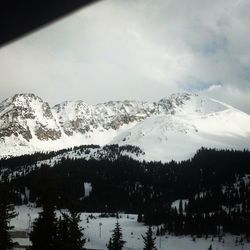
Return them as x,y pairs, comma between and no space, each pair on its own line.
136,49
214,87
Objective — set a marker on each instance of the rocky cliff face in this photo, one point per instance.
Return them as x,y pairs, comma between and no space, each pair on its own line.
80,117
27,115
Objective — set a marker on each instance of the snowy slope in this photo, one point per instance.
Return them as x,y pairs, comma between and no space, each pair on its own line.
197,122
172,128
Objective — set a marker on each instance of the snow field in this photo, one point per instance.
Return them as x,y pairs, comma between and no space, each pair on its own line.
98,231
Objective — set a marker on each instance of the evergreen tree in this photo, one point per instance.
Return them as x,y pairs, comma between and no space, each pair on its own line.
180,207
7,212
109,245
247,228
139,217
149,240
70,235
116,242
44,233
158,231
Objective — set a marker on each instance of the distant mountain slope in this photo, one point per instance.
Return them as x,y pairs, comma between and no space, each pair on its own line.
173,128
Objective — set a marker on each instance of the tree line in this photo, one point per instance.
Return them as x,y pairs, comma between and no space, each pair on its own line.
214,182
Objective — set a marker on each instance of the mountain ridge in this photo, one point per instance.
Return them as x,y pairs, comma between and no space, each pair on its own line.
28,124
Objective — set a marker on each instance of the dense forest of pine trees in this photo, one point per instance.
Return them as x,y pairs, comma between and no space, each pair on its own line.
215,183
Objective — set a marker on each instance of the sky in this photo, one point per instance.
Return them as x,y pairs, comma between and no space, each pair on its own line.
136,50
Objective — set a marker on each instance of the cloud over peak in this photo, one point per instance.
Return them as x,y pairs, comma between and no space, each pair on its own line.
136,49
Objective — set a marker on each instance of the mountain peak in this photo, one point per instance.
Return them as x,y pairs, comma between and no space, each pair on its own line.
27,117
25,97
191,104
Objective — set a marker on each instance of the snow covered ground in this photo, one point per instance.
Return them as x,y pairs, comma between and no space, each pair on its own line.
98,231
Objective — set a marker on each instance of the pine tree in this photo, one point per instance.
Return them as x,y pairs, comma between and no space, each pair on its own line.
7,212
180,207
158,231
44,233
139,217
149,240
109,245
116,242
70,235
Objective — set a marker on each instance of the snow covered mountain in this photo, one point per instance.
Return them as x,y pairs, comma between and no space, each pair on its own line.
172,128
